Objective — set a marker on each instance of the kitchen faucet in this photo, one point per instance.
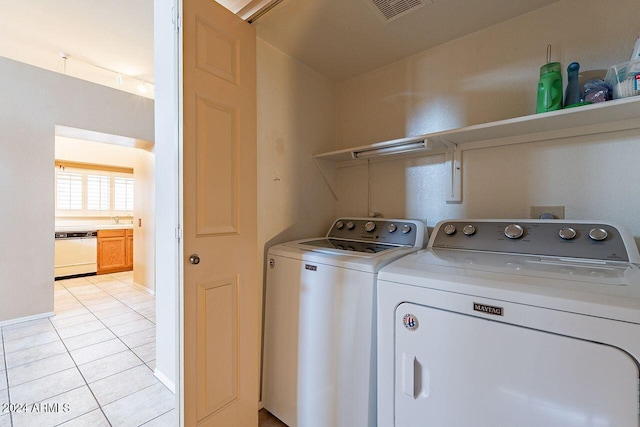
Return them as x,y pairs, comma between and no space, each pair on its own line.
116,219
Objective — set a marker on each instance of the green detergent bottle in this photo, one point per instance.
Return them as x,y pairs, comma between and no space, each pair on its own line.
550,88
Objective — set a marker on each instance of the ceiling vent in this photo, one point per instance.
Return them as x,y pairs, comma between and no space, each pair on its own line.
389,10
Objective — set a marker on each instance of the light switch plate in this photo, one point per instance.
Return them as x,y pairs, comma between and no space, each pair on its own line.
556,211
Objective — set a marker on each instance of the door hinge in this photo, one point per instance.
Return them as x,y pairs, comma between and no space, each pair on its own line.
175,18
178,233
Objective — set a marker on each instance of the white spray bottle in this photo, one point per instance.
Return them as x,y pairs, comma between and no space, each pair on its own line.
635,56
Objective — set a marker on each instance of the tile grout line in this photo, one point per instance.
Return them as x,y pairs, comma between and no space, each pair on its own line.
89,311
164,413
6,374
110,330
115,297
74,361
85,381
124,303
125,344
36,360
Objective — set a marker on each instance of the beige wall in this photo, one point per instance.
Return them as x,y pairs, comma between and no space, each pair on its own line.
296,119
142,163
34,101
492,75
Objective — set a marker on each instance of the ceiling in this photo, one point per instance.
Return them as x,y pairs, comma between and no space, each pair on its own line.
338,38
112,34
344,38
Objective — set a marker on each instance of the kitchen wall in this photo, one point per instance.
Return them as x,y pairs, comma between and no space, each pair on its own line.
142,163
34,101
486,76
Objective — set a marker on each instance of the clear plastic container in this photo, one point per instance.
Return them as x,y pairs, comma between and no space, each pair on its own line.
624,79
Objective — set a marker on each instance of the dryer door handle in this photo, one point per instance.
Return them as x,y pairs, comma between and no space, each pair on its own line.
409,374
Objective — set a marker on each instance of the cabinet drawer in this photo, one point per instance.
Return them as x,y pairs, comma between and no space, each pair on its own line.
112,233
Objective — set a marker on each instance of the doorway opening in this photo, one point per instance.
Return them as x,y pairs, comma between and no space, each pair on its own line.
104,185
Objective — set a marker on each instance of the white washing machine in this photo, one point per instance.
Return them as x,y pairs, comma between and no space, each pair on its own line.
512,323
319,363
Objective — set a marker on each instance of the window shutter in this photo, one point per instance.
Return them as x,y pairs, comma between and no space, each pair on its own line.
123,194
98,193
69,191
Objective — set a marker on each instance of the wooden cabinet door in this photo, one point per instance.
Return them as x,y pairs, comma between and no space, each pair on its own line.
112,251
129,254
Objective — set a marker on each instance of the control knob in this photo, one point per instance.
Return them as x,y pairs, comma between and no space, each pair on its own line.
406,229
392,228
598,234
350,225
369,226
339,225
469,230
513,231
567,233
449,229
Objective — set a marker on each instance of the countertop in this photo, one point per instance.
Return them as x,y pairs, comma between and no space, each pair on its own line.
92,227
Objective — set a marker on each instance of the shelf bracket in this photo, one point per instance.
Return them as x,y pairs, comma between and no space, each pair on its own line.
453,163
327,170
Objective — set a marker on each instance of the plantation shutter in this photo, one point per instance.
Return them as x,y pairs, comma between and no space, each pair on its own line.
98,192
69,191
123,194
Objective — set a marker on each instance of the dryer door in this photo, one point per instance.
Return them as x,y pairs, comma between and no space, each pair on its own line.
457,370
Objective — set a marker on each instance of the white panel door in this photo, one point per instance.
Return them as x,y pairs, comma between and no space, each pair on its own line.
456,370
222,296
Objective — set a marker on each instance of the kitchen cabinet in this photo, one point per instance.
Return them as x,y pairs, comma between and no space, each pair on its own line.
115,250
611,116
129,249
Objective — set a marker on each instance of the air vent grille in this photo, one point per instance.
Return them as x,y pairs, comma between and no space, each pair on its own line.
392,9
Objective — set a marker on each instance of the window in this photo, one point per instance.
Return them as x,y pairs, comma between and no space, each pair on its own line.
123,194
69,191
89,190
98,193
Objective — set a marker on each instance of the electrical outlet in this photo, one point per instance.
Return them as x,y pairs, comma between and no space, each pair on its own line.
556,211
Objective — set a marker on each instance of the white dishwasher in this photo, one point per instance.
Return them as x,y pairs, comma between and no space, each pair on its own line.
76,253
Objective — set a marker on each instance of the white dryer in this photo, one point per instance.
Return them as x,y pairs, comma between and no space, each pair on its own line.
319,363
503,323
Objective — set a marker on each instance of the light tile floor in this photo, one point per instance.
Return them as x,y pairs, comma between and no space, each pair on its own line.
89,365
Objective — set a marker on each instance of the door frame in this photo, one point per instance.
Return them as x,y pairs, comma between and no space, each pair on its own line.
169,217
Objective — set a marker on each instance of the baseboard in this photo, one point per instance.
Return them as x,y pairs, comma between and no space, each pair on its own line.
164,380
143,288
26,318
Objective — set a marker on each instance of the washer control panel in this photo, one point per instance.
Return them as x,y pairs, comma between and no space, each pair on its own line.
546,238
401,232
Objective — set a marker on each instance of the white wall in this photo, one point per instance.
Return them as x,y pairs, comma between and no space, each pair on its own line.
144,239
487,76
167,184
34,101
296,119
142,163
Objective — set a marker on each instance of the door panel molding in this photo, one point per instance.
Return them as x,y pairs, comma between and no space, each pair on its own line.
217,345
217,52
216,168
